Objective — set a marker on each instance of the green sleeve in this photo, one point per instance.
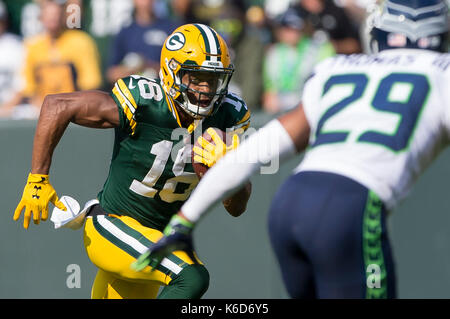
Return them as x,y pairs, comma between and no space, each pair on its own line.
238,114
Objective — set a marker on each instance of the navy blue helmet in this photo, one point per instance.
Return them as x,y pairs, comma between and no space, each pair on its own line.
420,24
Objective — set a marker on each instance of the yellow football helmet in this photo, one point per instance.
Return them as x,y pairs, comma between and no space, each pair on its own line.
195,48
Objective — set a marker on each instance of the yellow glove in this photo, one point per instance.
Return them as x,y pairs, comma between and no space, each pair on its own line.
38,192
210,152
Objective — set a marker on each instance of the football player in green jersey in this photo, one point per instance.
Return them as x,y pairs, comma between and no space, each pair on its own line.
151,174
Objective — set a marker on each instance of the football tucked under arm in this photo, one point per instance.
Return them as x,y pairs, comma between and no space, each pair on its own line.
234,170
199,152
209,148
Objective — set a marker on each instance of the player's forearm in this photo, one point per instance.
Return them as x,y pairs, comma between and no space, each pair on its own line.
87,108
237,203
52,123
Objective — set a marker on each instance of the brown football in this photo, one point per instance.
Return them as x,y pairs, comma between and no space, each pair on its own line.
200,168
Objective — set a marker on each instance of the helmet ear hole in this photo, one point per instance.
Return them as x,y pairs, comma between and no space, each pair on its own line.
173,64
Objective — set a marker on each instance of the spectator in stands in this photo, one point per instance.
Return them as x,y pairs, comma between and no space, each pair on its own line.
11,61
258,23
290,61
24,17
246,50
183,11
103,20
326,16
58,60
136,48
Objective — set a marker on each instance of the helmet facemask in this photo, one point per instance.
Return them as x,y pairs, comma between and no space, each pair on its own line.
197,90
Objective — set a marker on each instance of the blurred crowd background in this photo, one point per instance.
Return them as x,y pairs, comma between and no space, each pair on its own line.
60,46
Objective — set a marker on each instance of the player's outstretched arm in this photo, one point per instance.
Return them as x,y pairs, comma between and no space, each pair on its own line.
297,127
287,135
88,108
291,134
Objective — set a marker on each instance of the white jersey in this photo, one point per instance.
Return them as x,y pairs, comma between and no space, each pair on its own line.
378,119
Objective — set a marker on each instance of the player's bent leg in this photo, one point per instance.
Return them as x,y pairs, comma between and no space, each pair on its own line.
108,286
114,242
191,283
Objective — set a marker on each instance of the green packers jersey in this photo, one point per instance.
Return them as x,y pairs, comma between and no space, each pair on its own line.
151,173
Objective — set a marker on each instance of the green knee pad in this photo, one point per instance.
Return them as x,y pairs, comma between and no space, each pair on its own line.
191,283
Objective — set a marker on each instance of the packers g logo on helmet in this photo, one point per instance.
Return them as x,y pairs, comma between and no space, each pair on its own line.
195,48
175,41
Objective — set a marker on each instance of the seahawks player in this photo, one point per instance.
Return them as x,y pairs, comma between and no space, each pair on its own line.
150,174
372,124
